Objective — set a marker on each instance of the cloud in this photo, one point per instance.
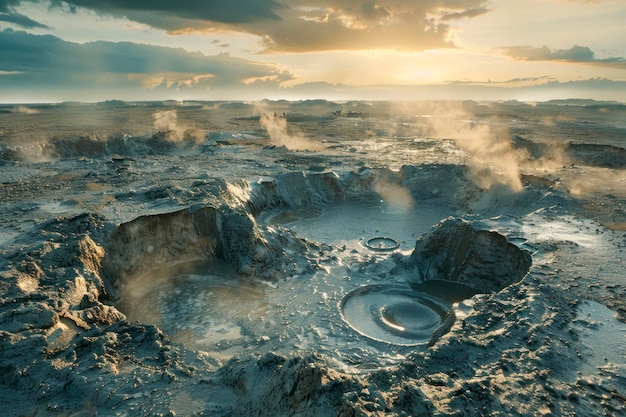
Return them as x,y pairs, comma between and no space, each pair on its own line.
299,25
509,82
224,11
44,61
579,54
373,11
9,15
466,14
323,25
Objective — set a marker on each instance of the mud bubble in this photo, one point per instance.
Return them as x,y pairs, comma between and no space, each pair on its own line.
396,314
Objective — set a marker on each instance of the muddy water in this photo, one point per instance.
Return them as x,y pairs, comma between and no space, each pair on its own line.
396,314
603,336
354,223
207,306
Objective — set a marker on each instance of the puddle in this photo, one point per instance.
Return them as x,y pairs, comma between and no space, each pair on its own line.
209,307
360,221
603,336
199,304
359,320
566,228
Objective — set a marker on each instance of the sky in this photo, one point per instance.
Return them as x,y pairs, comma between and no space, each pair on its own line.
96,50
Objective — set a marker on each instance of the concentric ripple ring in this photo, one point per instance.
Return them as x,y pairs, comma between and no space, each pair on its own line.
382,244
396,314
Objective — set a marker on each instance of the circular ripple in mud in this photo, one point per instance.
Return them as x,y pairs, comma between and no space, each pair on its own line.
396,314
382,244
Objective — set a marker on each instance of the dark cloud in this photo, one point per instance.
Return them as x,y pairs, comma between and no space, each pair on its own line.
373,11
9,15
21,20
410,34
466,14
299,25
527,53
225,11
6,6
32,61
305,25
580,54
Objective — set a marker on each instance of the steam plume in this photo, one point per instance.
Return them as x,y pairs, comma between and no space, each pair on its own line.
25,110
167,121
276,127
396,197
492,157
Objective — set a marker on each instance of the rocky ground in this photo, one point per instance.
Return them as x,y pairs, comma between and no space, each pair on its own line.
88,212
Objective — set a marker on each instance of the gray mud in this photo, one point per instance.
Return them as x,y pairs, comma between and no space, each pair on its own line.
227,274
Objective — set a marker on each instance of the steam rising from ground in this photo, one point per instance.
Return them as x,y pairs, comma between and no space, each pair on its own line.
492,157
396,197
167,121
25,110
276,127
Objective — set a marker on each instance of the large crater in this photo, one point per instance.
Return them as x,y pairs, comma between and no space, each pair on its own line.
318,262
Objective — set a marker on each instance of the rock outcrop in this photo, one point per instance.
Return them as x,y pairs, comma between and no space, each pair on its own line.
455,251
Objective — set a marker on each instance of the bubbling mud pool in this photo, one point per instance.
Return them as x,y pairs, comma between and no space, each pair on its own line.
358,307
396,314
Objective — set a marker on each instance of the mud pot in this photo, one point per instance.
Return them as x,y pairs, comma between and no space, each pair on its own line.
362,263
367,304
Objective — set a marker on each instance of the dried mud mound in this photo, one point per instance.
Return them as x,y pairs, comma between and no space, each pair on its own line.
456,252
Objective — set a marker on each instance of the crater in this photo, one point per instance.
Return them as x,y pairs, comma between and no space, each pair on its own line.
283,267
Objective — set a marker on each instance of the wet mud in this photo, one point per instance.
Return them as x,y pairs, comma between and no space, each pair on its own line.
223,275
